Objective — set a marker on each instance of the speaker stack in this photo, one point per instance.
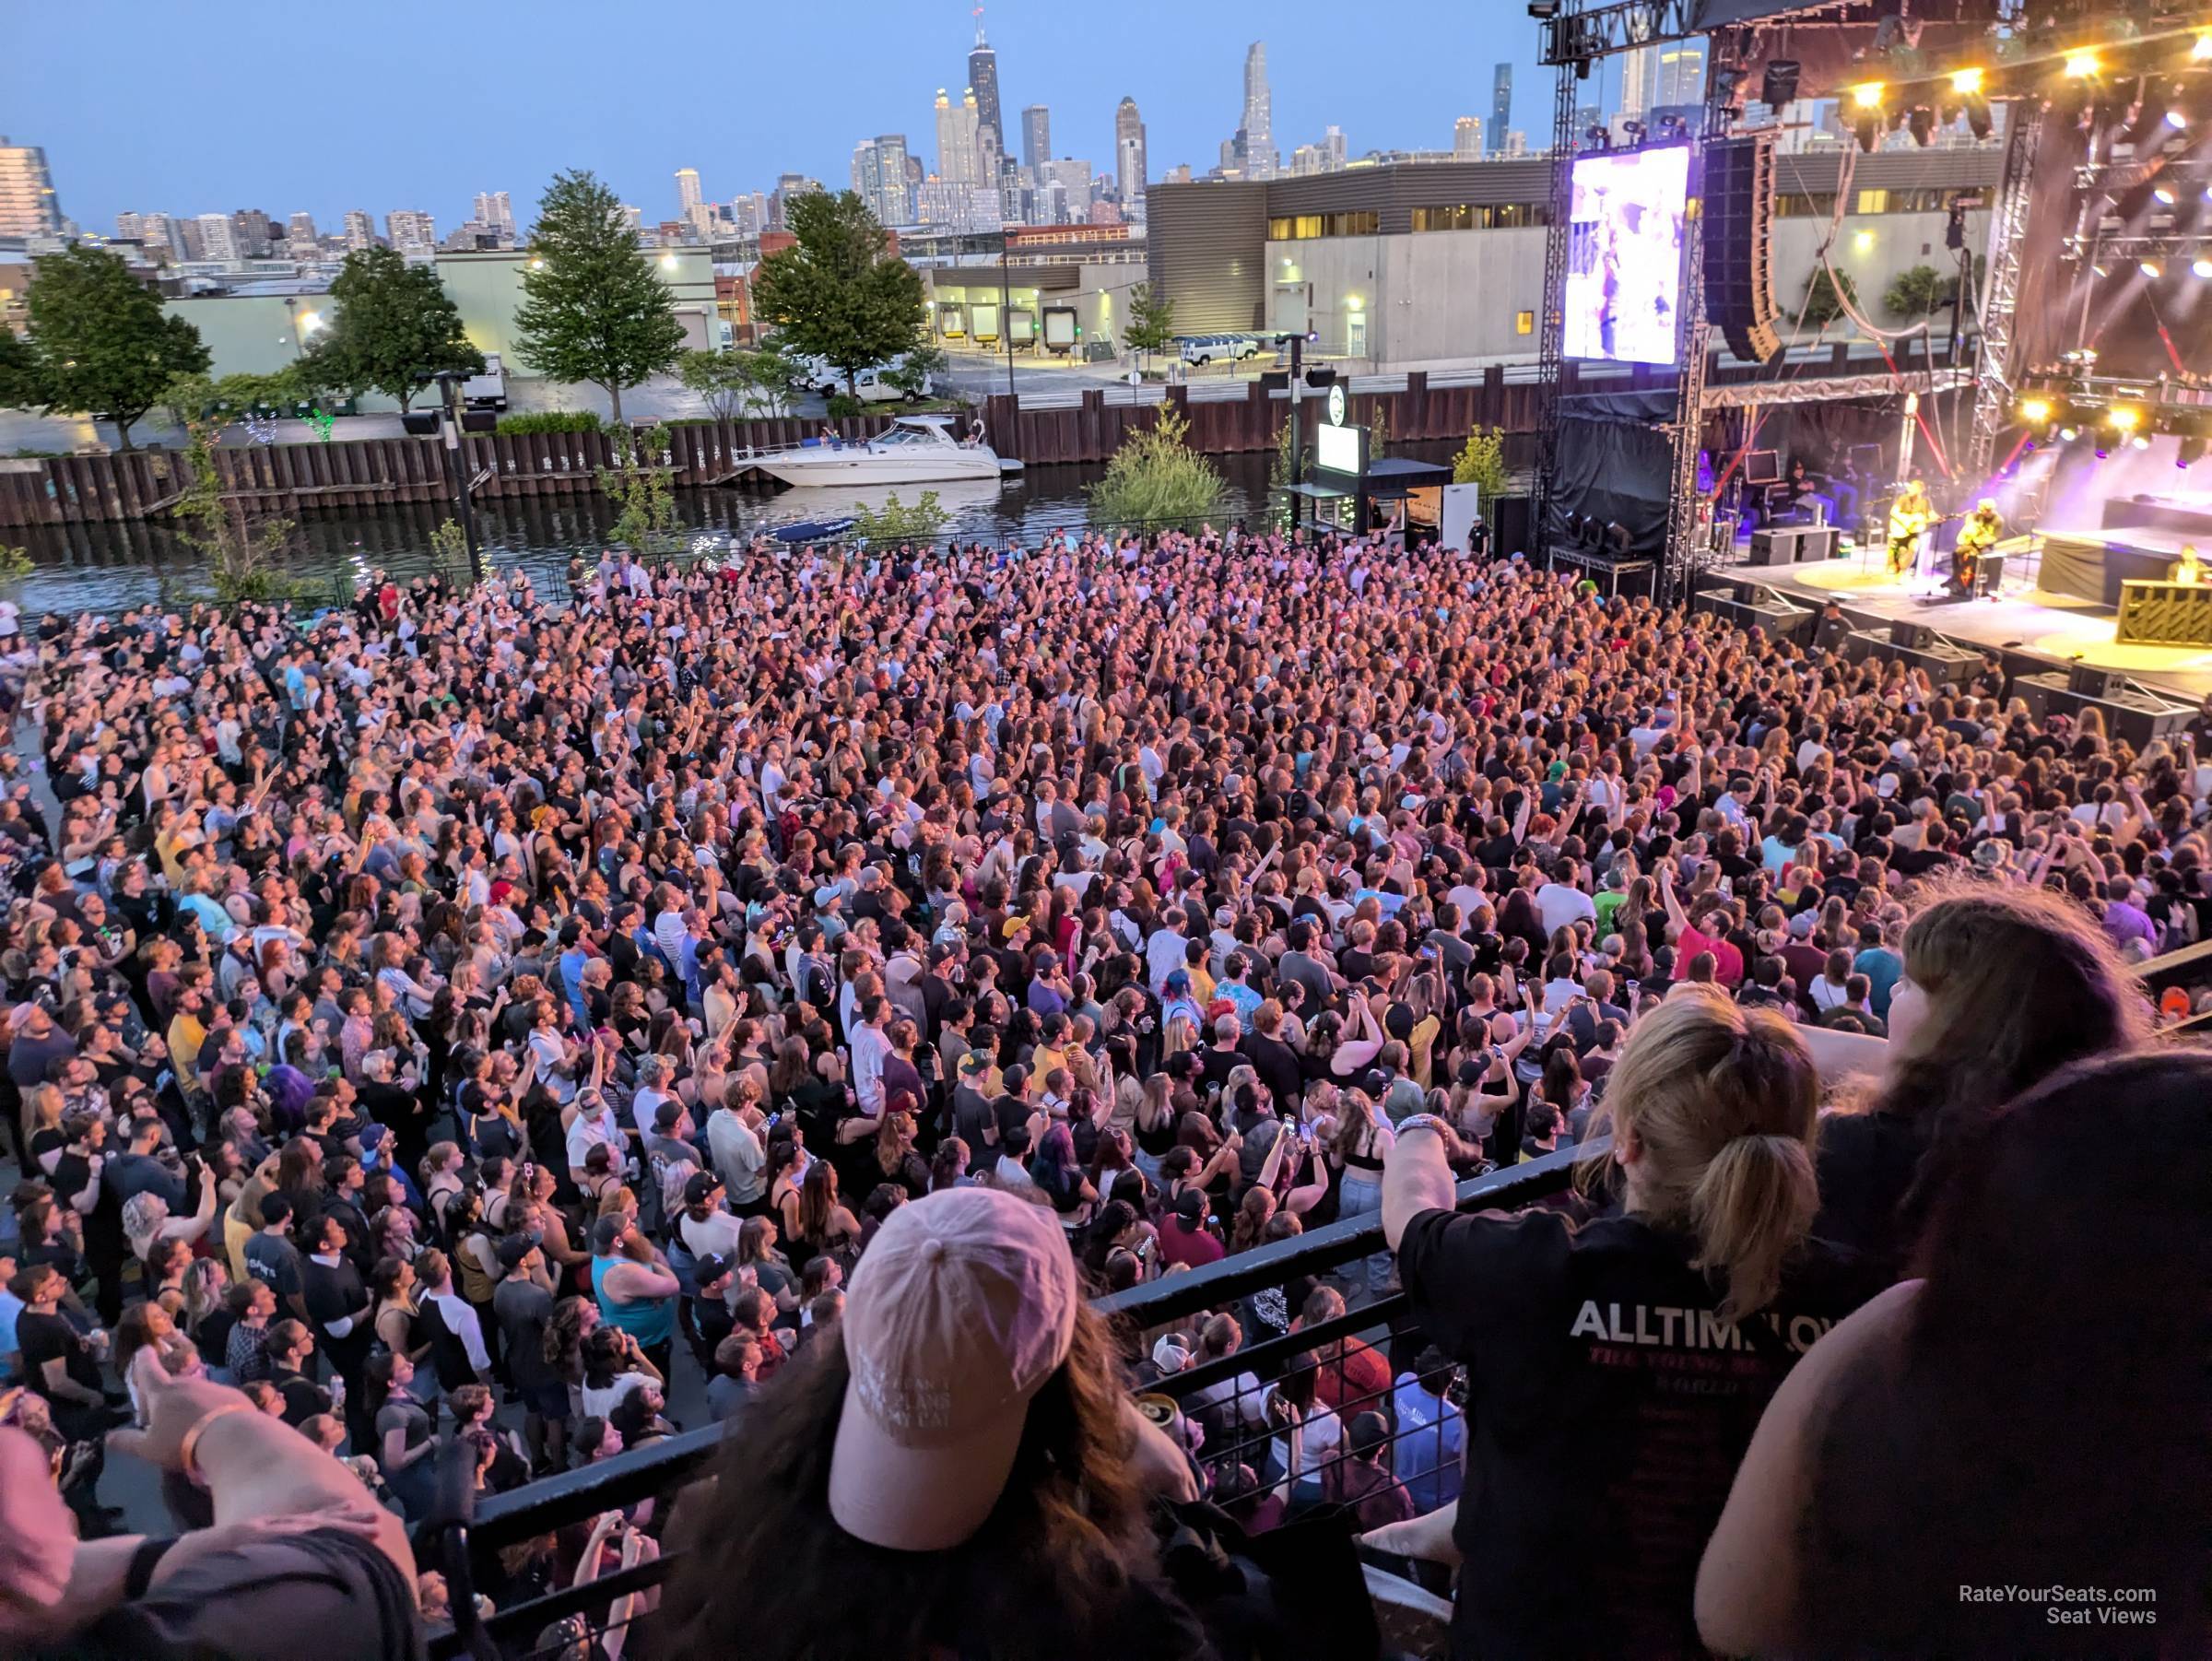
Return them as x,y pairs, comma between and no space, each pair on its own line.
1738,248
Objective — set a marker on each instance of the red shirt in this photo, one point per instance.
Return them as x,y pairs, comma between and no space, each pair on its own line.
1192,1248
1356,1382
1728,961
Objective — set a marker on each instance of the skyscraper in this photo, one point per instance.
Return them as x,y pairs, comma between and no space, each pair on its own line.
1639,69
1501,104
219,239
157,235
129,227
27,205
1679,74
1331,144
879,176
361,231
494,209
960,155
982,80
252,233
1036,136
411,231
300,231
1467,136
1259,119
1129,157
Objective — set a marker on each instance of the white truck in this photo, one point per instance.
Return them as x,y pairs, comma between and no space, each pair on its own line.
869,385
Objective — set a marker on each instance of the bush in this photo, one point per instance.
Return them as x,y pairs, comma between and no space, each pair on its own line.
844,404
1482,462
550,421
896,523
1156,479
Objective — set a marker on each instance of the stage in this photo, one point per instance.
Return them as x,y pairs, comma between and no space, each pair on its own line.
2023,622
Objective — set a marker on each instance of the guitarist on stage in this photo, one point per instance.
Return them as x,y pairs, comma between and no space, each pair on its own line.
1909,514
1982,530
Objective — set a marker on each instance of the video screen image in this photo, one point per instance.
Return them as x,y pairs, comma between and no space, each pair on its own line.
1624,267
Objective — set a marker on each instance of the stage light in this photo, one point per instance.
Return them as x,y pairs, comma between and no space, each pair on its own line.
2066,435
1922,123
2202,49
2200,268
2152,269
2102,452
2192,452
1778,86
2035,411
1966,80
2081,66
2139,442
1868,130
1977,116
2124,418
2163,197
1868,95
2176,119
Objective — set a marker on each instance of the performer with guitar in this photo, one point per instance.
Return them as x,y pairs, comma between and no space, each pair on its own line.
1981,533
1910,515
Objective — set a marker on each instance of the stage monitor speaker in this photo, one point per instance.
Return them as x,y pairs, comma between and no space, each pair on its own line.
2088,681
1915,637
1738,210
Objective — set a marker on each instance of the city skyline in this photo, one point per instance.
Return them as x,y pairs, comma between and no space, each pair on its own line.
543,111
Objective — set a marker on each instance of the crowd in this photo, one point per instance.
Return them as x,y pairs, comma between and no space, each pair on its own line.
468,1031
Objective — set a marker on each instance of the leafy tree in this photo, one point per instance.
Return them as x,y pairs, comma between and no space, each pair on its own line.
1151,321
638,481
592,310
1822,305
190,398
18,373
911,374
782,377
103,342
1156,478
727,383
1482,462
243,550
1917,291
895,522
840,294
1280,465
394,328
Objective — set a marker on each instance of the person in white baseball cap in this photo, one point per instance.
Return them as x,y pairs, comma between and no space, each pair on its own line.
957,1454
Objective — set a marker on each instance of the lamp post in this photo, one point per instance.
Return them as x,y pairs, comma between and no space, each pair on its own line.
449,425
1006,311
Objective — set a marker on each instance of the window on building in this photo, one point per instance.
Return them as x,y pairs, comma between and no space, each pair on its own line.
1524,323
1873,202
1802,205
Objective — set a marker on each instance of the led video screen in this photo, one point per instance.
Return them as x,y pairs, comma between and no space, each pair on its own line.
1624,266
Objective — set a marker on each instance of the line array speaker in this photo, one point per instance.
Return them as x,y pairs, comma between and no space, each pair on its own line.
1738,245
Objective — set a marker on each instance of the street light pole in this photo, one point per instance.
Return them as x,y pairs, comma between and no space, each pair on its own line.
1006,311
1298,431
449,424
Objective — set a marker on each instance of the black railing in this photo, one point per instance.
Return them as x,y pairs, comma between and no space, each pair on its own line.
455,1547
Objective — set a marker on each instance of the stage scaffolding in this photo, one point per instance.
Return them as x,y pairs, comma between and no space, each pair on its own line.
2008,228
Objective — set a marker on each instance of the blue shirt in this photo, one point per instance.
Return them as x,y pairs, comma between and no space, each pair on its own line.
1883,969
1425,1455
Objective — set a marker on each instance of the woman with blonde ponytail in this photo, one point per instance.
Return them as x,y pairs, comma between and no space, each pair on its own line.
1619,1358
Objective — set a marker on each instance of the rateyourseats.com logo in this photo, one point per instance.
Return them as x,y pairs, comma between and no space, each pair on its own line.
2076,1606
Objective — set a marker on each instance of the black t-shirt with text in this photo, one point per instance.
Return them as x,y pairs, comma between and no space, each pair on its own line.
1608,1406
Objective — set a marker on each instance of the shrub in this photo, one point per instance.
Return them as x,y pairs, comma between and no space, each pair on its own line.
550,421
844,404
896,523
1155,477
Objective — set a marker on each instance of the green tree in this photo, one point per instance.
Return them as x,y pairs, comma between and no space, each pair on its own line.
190,398
393,328
727,383
1156,478
895,522
243,550
1482,462
1917,291
638,482
839,293
103,342
592,310
782,377
913,373
1151,326
18,373
1822,305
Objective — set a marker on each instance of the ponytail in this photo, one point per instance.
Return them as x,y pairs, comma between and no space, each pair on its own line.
1751,1206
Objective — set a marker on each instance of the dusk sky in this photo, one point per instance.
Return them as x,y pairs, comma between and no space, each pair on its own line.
223,104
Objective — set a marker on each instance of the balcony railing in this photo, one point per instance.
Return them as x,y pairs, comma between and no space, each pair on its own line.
1227,1396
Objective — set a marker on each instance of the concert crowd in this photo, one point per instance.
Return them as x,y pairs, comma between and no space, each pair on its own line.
459,1034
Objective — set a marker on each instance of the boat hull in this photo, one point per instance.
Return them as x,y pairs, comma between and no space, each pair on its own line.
861,468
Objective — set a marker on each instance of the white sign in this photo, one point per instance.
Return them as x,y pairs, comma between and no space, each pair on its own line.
1337,450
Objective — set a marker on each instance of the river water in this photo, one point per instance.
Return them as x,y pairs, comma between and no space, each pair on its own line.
109,568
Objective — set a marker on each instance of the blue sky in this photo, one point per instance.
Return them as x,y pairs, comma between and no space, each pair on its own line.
214,105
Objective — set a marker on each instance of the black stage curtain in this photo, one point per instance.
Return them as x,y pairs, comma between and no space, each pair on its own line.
1614,465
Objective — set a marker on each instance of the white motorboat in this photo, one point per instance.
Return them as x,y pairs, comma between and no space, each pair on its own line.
917,450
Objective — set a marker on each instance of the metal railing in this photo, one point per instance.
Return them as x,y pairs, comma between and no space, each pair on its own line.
457,1537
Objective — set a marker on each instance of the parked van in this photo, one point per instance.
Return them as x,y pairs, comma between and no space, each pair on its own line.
1229,348
869,386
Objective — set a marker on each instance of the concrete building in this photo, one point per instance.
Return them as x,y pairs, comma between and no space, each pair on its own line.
494,207
300,231
982,80
1036,136
1256,144
1466,137
253,232
29,206
1086,269
1501,104
257,325
960,155
1516,144
880,177
219,237
411,231
1441,265
361,231
129,227
1129,158
158,236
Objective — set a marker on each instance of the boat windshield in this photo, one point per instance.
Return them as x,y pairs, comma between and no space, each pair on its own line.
912,435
